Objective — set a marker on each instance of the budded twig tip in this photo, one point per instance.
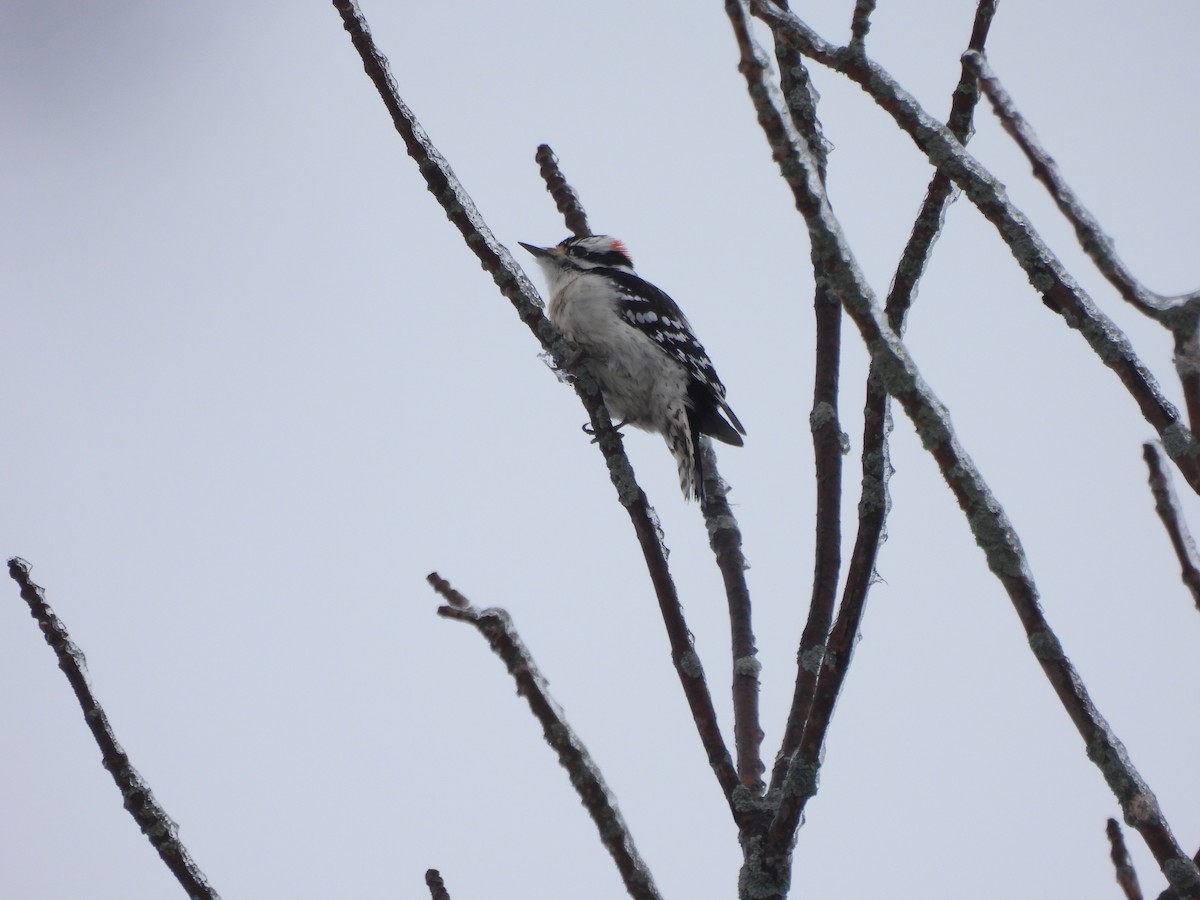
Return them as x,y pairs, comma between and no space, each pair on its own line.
1122,863
437,887
565,198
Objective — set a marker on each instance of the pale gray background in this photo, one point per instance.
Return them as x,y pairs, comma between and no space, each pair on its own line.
256,388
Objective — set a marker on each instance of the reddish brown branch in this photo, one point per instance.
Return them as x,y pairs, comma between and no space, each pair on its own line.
497,627
1119,853
150,817
1167,506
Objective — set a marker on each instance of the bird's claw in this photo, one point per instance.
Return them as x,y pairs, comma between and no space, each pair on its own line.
588,429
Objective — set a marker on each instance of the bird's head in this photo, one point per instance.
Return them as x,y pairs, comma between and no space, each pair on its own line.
581,253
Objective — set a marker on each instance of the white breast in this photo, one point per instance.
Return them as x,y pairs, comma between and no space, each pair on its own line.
641,384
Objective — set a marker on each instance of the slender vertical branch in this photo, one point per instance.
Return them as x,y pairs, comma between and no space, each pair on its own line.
874,502
941,191
150,817
497,627
565,198
1167,506
829,441
1119,853
725,539
861,23
1185,326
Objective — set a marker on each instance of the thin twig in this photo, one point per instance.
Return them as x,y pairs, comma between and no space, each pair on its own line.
1045,272
565,198
497,627
513,283
1167,506
897,372
150,817
1119,853
437,887
941,190
1186,330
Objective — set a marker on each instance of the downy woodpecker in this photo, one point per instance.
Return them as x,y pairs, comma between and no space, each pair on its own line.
653,372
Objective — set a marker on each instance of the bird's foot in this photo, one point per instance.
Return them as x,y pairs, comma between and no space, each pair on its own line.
588,429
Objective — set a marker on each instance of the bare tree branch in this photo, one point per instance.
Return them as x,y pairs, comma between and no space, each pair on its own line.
513,283
829,441
802,99
874,502
1167,506
725,538
497,627
1092,239
861,23
565,198
993,532
1058,289
437,887
1171,893
1186,329
941,190
829,446
1178,314
151,818
1126,876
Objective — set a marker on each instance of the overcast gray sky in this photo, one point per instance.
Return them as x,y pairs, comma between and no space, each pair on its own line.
256,388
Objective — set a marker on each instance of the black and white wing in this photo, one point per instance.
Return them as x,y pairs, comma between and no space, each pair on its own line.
655,314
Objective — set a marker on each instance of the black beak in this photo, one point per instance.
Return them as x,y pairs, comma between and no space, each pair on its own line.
536,251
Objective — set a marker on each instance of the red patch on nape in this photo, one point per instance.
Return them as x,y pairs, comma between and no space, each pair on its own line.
619,246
